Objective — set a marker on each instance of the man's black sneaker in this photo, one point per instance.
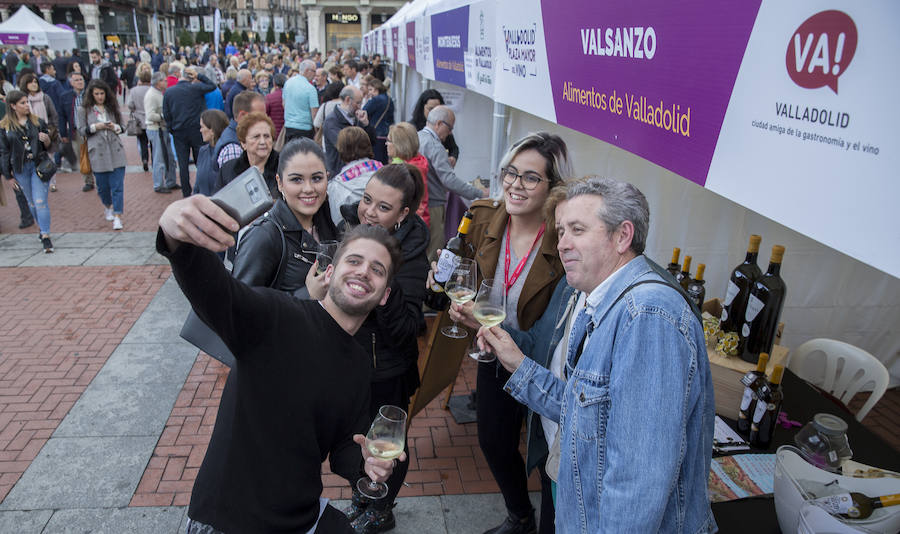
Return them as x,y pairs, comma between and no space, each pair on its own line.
513,525
26,224
374,521
358,505
87,187
48,245
162,189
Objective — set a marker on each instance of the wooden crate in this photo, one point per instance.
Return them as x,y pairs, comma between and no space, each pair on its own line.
727,371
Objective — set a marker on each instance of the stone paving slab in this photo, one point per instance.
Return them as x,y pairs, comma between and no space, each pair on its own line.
116,409
163,318
143,240
473,514
82,239
149,520
61,258
92,472
156,363
112,255
24,522
15,257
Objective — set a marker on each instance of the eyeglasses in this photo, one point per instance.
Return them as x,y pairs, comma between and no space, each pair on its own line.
529,180
448,125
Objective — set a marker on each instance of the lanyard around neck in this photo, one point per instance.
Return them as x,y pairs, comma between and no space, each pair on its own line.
511,279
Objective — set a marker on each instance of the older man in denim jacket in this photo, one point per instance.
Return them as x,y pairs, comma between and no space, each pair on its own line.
635,403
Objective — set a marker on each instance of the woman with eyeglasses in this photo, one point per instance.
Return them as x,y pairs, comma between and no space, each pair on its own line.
278,250
514,246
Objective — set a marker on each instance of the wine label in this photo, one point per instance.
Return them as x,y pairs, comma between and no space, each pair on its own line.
759,412
447,262
838,504
730,293
746,398
754,306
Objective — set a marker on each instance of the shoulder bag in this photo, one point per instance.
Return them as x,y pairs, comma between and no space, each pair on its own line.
200,335
45,167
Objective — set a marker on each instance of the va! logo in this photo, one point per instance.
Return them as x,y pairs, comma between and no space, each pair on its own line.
821,49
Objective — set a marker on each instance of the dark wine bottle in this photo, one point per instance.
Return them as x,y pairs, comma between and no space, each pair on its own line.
696,288
751,382
764,306
738,290
457,248
765,416
685,275
674,267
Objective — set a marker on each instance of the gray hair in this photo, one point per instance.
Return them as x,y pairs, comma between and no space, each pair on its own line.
551,147
175,68
305,65
621,202
156,78
348,92
439,114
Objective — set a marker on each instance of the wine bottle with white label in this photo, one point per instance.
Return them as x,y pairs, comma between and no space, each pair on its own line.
751,382
685,275
738,289
674,267
764,306
765,416
457,248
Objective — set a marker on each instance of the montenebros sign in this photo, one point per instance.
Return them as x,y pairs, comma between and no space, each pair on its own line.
783,107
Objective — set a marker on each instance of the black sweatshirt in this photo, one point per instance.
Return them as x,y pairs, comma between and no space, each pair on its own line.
298,392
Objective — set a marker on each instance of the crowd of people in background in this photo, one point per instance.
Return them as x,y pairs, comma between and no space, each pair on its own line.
321,130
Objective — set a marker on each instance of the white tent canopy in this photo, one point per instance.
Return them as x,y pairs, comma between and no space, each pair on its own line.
24,28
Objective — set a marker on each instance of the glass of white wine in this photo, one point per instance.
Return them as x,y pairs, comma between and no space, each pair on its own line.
385,440
461,289
490,310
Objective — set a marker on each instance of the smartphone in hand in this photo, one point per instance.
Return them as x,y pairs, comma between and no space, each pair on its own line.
245,198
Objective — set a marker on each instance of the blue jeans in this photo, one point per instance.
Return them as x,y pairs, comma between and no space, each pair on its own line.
163,162
111,188
36,193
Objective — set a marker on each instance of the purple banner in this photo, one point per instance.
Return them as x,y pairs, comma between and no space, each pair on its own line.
395,37
449,40
649,76
14,38
411,44
384,42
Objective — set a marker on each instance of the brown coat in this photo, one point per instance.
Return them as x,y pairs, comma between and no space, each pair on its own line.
486,235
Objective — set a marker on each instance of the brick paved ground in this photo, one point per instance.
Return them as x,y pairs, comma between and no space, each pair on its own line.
59,326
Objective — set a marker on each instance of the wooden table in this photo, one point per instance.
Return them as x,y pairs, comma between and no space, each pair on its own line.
801,403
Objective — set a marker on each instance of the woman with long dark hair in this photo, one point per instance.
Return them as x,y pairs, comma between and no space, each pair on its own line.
24,140
279,249
42,106
100,123
428,100
212,123
390,331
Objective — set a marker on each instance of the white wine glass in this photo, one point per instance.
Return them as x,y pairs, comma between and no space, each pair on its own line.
385,440
461,289
325,254
489,310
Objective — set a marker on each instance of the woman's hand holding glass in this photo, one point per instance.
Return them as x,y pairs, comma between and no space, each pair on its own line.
461,289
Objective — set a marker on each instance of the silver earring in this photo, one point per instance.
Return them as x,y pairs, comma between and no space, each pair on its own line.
396,226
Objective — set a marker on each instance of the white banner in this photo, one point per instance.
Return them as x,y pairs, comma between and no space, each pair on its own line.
279,25
207,23
263,24
217,29
230,23
481,53
194,22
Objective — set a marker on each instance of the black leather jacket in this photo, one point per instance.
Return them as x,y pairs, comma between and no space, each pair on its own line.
389,334
259,252
12,147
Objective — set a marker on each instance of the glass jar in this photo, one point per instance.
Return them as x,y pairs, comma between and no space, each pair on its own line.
823,442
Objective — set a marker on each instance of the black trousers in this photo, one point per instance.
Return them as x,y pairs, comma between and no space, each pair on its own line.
144,145
396,392
294,133
499,426
186,143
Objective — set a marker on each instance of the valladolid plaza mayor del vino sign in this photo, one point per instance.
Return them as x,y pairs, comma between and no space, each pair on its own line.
787,108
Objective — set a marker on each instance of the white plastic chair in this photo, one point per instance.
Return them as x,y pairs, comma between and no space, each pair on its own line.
840,369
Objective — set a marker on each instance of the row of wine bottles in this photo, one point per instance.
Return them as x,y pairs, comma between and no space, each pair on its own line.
695,287
760,403
753,301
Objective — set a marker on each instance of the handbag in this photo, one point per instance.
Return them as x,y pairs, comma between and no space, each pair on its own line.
279,141
45,167
200,335
133,128
84,161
